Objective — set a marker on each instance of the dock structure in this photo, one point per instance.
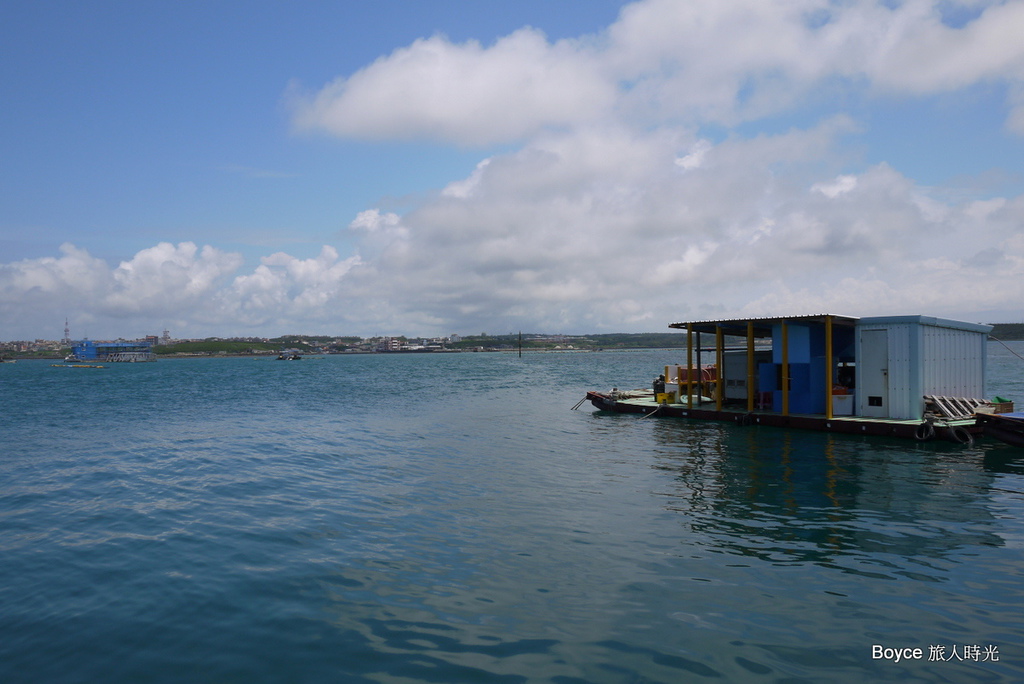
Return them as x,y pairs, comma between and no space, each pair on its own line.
111,352
903,376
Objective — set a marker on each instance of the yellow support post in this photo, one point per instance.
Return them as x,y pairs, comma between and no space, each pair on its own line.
785,369
689,365
750,366
679,384
828,367
719,367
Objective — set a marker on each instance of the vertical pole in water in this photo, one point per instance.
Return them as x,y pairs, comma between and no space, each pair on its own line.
689,365
520,344
719,367
828,367
785,369
750,366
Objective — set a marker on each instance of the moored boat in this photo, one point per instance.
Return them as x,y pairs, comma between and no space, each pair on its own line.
1006,427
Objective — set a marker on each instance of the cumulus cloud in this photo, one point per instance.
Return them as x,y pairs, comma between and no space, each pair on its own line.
164,280
614,206
198,289
167,278
464,93
604,229
284,288
665,60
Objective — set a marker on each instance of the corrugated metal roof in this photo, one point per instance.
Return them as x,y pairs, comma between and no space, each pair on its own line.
762,326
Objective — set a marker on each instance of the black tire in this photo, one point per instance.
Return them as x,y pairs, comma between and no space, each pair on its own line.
961,436
924,432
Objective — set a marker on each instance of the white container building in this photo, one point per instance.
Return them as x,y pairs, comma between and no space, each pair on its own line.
901,359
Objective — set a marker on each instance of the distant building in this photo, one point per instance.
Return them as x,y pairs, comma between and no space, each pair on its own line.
390,344
111,352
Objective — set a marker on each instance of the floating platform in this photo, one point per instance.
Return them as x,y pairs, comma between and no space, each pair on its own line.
912,377
958,431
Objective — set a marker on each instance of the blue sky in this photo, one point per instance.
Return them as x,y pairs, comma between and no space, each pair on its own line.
426,168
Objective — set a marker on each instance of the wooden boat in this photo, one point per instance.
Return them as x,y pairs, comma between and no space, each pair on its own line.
1006,427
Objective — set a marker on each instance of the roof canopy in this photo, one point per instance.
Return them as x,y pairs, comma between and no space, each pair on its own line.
762,326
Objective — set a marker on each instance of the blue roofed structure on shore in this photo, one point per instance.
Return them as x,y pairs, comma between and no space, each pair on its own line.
904,376
111,352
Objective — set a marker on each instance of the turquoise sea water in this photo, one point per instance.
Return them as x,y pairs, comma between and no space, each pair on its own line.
448,518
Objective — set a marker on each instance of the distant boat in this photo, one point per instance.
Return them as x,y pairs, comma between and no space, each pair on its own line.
289,355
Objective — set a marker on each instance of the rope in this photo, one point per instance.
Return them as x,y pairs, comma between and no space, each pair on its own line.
1007,347
648,415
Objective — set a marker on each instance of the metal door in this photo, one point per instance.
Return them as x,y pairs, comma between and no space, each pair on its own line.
873,368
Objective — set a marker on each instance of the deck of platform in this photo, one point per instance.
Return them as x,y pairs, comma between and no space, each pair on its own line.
960,431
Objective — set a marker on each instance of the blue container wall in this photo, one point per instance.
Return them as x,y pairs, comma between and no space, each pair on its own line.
807,381
85,351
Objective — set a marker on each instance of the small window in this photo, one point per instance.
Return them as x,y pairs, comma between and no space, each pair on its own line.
874,401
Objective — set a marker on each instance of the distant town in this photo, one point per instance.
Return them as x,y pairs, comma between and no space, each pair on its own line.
166,346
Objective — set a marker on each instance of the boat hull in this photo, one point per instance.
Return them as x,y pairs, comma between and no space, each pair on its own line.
1006,427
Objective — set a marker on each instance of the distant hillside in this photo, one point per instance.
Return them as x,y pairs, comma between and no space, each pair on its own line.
1008,331
637,340
607,341
215,347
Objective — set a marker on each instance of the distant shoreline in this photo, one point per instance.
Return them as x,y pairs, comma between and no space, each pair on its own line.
313,355
315,345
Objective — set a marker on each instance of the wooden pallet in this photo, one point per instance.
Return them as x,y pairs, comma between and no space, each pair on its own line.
954,408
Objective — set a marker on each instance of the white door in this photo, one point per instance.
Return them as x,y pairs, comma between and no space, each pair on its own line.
873,369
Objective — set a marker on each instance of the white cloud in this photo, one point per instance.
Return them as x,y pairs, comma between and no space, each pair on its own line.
167,278
668,61
926,55
284,288
159,282
695,157
618,209
74,276
372,220
615,209
840,186
465,93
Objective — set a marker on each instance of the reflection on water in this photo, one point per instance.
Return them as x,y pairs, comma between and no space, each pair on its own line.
790,497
